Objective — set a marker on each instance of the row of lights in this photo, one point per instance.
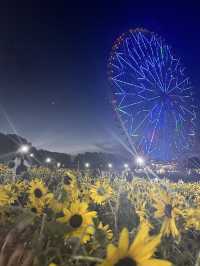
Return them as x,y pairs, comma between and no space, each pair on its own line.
24,149
139,161
87,165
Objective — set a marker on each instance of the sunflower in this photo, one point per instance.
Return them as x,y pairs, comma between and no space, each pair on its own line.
105,231
140,210
166,207
69,179
5,198
193,218
80,221
69,186
84,190
100,192
139,253
20,186
38,194
11,192
4,170
138,192
37,189
36,208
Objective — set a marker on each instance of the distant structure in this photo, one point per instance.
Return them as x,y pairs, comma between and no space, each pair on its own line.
19,165
152,95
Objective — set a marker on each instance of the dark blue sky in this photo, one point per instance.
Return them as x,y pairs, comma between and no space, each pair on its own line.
53,65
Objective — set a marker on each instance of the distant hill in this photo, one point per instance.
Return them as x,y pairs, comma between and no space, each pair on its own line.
10,143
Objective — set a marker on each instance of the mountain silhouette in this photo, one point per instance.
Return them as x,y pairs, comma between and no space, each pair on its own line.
10,144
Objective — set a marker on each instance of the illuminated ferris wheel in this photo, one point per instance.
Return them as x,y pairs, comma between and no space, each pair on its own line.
153,96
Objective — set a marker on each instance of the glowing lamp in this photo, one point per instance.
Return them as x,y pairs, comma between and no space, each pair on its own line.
87,165
48,160
110,165
24,149
140,161
125,165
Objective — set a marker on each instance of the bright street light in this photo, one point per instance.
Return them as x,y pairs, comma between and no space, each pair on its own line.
24,149
58,165
110,165
48,160
140,161
87,165
32,155
125,165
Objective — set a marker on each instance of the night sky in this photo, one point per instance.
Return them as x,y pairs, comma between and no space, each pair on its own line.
53,66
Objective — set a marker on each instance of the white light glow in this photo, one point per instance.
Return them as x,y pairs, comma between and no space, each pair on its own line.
87,165
140,161
110,165
24,149
48,160
126,165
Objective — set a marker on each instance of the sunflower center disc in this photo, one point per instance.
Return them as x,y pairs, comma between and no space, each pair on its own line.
76,221
38,193
168,210
126,262
67,180
34,210
101,191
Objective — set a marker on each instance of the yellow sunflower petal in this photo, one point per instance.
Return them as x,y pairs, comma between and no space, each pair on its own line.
140,237
90,230
65,218
177,211
106,227
173,228
123,242
83,207
90,215
166,198
111,250
155,262
75,207
105,263
145,252
159,212
165,229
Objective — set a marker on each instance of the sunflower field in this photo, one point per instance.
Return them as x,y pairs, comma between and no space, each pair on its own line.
64,218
